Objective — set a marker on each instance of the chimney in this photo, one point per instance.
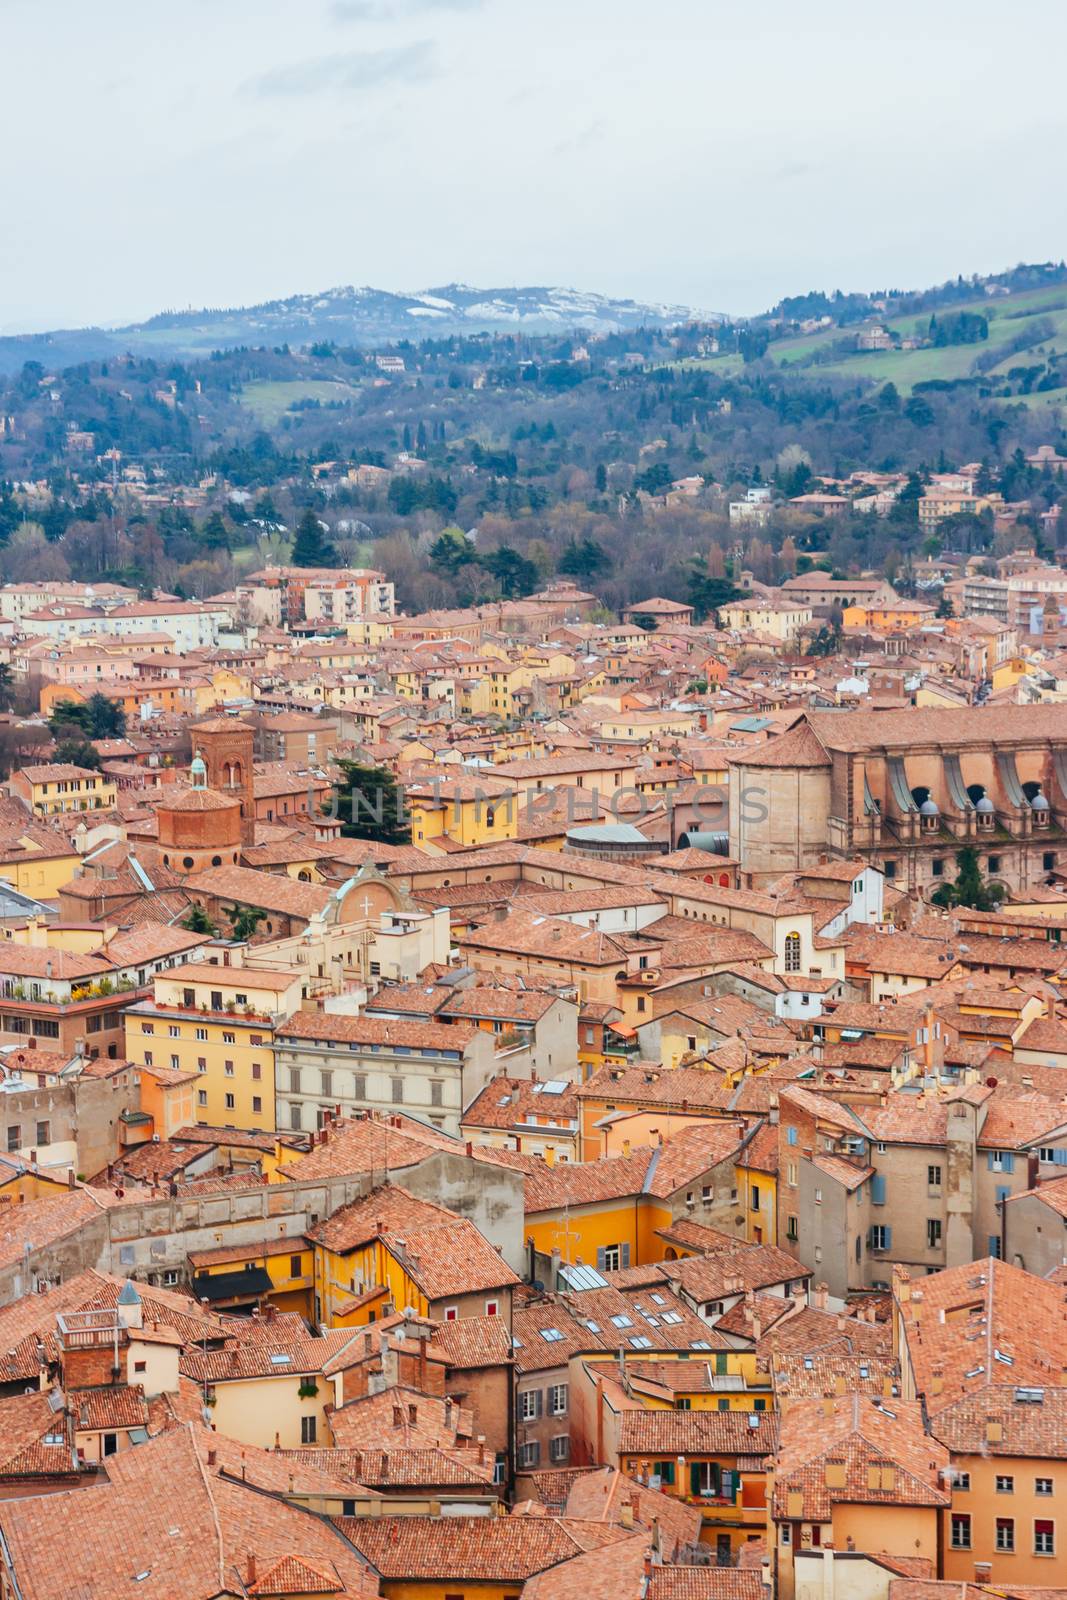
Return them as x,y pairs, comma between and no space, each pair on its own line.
212,1457
398,1417
413,1413
822,1294
448,1412
626,1513
250,1574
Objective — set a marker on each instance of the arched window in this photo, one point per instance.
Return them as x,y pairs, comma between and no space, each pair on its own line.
792,952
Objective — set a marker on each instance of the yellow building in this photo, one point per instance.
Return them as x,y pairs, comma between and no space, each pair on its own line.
463,811
381,1250
678,1383
168,1097
59,787
757,1187
1007,673
38,865
217,1022
899,616
708,1458
777,620
369,631
271,1394
853,1474
234,1277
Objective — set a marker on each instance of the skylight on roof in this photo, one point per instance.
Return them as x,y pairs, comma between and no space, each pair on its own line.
671,1316
552,1086
280,1358
550,1335
639,1342
700,1344
622,1321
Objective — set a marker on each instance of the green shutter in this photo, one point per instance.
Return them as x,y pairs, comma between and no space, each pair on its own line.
694,1477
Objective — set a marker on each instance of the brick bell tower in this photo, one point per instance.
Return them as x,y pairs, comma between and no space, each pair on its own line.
225,744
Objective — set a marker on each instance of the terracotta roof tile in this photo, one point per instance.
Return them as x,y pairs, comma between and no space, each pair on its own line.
468,1549
661,1434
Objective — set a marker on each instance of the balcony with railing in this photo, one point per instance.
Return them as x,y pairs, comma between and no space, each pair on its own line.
84,1330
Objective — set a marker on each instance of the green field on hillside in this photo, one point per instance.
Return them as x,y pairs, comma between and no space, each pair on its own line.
1008,316
269,400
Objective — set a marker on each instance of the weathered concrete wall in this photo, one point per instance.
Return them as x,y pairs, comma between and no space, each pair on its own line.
147,1236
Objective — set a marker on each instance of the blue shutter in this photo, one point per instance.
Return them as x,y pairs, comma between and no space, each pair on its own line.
989,1162
888,1239
994,1246
600,1258
878,1189
1059,1158
1008,1163
626,1255
1003,1191
791,1135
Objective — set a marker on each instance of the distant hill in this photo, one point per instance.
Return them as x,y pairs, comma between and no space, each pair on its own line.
347,316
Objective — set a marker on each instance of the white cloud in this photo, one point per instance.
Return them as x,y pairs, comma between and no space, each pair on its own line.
354,69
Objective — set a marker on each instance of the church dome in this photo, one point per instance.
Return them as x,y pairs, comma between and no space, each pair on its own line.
985,805
929,808
1039,803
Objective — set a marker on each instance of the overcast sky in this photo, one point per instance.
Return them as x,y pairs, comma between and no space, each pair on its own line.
220,152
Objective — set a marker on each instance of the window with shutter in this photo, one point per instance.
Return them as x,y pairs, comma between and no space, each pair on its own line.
878,1190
